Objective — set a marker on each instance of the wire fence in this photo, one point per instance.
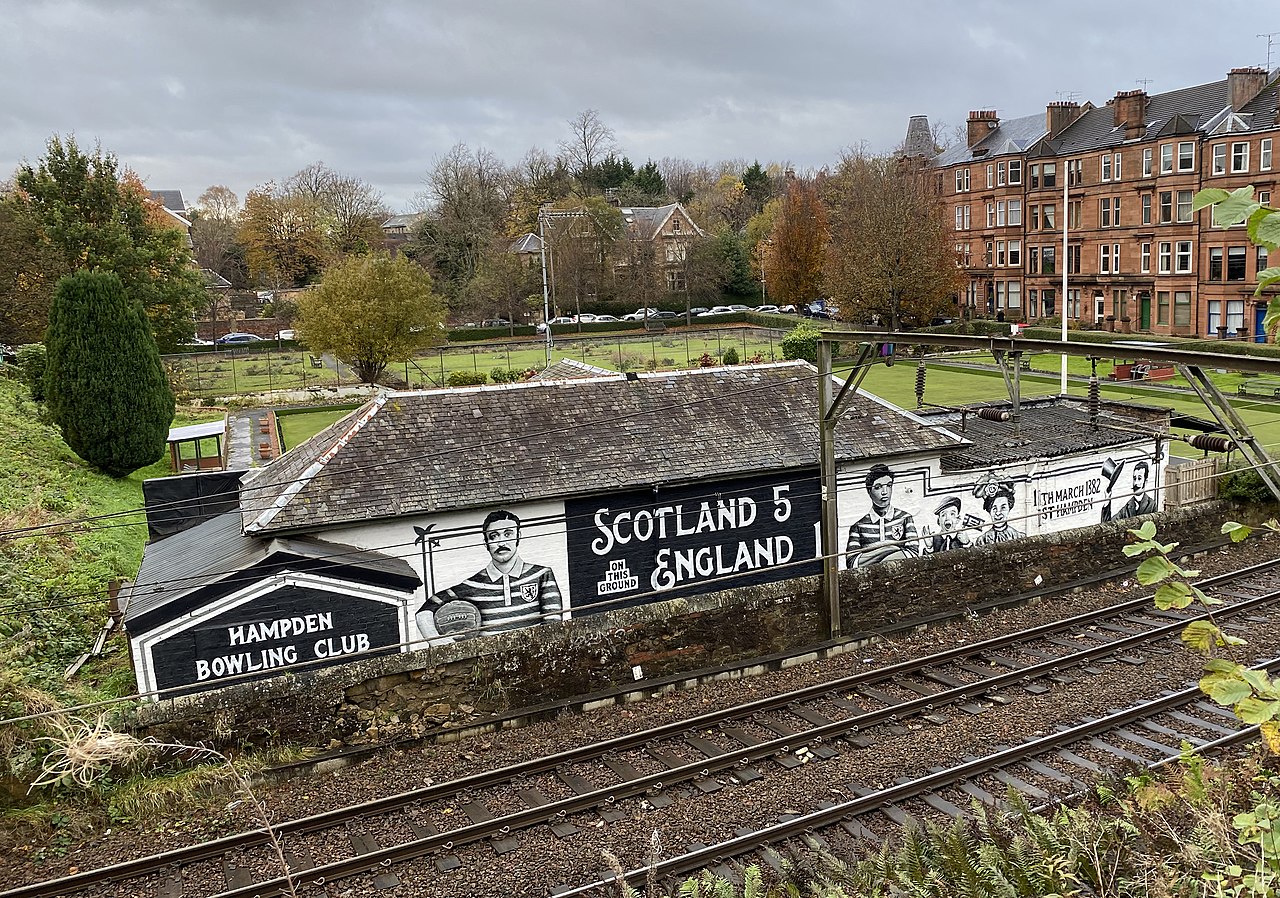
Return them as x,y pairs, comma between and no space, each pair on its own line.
249,370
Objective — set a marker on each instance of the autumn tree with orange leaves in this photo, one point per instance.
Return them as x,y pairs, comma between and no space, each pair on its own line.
794,253
90,214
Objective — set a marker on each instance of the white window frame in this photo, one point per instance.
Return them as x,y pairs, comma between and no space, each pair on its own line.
1144,256
1000,214
1264,154
990,175
1182,257
1180,208
1239,157
1165,258
991,215
1013,298
1189,158
1219,159
1000,254
1148,159
1104,212
999,174
1116,174
1015,171
1104,259
1104,171
1015,212
1015,253
1166,158
1146,208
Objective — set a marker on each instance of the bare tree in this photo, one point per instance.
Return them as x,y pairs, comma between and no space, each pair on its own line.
590,141
219,202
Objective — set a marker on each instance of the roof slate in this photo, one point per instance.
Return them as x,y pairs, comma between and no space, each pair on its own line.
431,451
1012,137
572,369
1048,428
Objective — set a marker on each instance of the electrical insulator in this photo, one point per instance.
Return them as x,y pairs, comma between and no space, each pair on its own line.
1211,443
920,375
994,414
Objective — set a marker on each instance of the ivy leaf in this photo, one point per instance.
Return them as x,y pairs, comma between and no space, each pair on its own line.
1208,197
1234,529
1271,735
1145,532
1266,278
1201,635
1252,710
1204,598
1153,570
1272,317
1173,595
1226,691
1264,228
1236,208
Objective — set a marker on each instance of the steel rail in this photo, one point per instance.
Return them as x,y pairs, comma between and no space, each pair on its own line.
503,825
251,838
759,839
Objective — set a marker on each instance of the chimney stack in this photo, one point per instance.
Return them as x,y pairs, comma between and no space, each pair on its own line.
981,123
1130,109
1245,84
1060,114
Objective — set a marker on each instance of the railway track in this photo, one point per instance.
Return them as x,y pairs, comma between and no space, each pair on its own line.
656,767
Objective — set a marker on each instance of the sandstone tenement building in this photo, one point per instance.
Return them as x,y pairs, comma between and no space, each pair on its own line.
1123,175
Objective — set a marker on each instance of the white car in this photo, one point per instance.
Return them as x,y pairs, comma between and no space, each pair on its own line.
600,318
716,310
586,318
640,315
287,334
561,320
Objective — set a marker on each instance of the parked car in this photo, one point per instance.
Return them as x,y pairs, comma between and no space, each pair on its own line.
599,318
716,310
586,318
495,322
698,310
820,308
667,316
773,310
236,339
788,309
739,308
287,334
196,341
640,315
561,320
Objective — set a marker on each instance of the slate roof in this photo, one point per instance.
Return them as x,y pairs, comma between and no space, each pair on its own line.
572,369
170,199
430,451
645,221
407,220
529,243
1049,428
216,549
1012,137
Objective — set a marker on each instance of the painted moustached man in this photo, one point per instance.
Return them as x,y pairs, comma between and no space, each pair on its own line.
1140,501
508,593
885,533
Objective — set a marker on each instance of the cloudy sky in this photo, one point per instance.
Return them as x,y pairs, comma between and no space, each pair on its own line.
191,93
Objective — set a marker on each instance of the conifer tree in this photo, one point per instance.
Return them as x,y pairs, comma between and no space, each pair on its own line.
104,384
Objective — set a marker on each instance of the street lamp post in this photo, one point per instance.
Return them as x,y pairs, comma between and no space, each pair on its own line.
546,295
1066,262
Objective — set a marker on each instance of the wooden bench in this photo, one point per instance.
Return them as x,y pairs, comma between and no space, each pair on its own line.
1264,387
317,362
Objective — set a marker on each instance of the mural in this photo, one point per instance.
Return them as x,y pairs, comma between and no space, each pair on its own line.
653,545
1140,501
879,506
508,593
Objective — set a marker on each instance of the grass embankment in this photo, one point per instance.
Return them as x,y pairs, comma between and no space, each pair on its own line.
54,594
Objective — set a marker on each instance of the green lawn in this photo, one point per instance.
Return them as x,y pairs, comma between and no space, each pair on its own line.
298,426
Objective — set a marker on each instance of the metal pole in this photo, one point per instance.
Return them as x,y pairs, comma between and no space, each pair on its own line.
827,473
1066,212
546,295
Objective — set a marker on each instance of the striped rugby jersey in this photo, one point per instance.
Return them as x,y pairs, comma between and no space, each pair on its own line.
895,526
526,596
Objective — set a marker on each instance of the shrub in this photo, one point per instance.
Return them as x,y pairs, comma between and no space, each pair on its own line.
730,356
467,378
31,360
802,343
1245,486
707,361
